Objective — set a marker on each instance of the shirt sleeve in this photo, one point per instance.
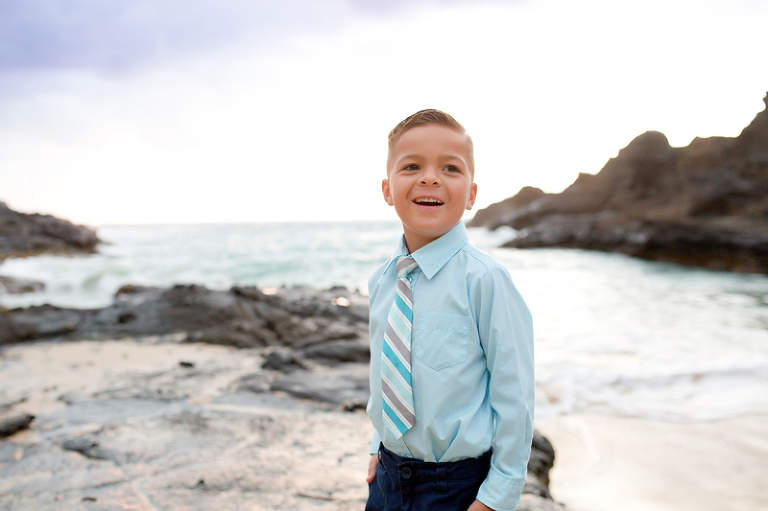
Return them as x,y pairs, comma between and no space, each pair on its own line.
375,442
506,334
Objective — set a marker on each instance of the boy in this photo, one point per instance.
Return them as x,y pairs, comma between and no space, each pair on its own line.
452,389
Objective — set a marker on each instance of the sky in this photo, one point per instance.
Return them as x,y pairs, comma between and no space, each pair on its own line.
171,111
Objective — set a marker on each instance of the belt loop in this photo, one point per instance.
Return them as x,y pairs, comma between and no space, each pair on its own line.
442,479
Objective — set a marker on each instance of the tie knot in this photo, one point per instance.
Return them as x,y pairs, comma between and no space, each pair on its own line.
405,265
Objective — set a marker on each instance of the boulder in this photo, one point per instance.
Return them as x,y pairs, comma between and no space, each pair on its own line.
13,423
38,322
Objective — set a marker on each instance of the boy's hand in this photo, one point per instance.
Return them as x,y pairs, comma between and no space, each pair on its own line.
479,506
372,468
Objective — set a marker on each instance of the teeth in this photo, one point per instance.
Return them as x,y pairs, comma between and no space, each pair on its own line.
429,201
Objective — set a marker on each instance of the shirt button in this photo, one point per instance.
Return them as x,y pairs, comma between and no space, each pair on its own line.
406,473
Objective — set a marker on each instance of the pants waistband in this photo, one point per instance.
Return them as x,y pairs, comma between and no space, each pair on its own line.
418,470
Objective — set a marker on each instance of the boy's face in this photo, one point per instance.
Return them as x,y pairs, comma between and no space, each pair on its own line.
429,182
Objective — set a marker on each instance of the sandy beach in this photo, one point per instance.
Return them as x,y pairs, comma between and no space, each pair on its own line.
267,452
608,463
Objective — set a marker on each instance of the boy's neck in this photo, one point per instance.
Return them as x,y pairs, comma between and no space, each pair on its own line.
414,242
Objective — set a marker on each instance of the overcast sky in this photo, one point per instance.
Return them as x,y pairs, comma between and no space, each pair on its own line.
158,111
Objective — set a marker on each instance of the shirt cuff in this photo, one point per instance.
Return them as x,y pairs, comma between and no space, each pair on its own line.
500,492
375,443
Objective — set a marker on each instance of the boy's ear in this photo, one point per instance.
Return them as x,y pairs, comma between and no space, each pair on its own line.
386,192
472,196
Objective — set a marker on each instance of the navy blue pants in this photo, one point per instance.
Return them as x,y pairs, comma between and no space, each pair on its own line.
407,484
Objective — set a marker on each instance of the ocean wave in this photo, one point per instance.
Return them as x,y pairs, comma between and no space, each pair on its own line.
694,395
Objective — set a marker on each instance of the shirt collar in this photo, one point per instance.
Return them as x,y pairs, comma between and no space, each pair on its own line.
433,256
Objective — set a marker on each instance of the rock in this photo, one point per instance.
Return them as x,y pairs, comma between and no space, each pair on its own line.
539,464
339,351
88,446
346,385
493,216
702,205
283,360
24,234
13,423
38,322
229,318
7,331
542,458
14,286
239,335
533,486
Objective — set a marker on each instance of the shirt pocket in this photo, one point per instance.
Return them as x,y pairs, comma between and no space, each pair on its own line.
442,339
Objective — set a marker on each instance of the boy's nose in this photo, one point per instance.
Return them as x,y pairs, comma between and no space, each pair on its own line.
429,178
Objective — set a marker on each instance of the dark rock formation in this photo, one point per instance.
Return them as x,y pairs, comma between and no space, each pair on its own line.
301,318
703,205
24,234
38,322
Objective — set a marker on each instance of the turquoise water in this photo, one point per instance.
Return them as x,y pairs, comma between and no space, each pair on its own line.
614,335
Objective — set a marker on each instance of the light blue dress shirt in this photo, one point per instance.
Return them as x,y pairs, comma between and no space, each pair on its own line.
472,363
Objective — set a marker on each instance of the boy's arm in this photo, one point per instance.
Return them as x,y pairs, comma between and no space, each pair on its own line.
375,443
506,334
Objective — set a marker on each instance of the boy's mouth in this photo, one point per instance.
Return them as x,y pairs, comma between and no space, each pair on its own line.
428,201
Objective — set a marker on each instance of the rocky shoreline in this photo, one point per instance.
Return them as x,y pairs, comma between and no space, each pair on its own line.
24,235
703,205
291,356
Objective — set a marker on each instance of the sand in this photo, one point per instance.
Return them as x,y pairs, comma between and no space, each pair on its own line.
610,463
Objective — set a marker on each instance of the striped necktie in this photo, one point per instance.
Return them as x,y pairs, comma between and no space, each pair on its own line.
396,389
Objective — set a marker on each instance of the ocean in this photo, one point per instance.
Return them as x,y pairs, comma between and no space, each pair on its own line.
614,335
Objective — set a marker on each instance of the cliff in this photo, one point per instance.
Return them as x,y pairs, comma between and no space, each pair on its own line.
705,204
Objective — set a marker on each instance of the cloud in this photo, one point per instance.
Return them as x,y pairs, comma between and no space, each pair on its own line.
119,35
114,35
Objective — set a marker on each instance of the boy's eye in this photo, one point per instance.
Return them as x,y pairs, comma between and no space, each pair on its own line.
412,166
451,168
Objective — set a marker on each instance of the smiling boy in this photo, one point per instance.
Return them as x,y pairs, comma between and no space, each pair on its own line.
430,181
452,389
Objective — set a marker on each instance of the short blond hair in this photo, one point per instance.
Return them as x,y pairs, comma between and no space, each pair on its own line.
429,116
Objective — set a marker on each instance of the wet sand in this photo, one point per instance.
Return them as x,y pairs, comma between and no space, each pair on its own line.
609,463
